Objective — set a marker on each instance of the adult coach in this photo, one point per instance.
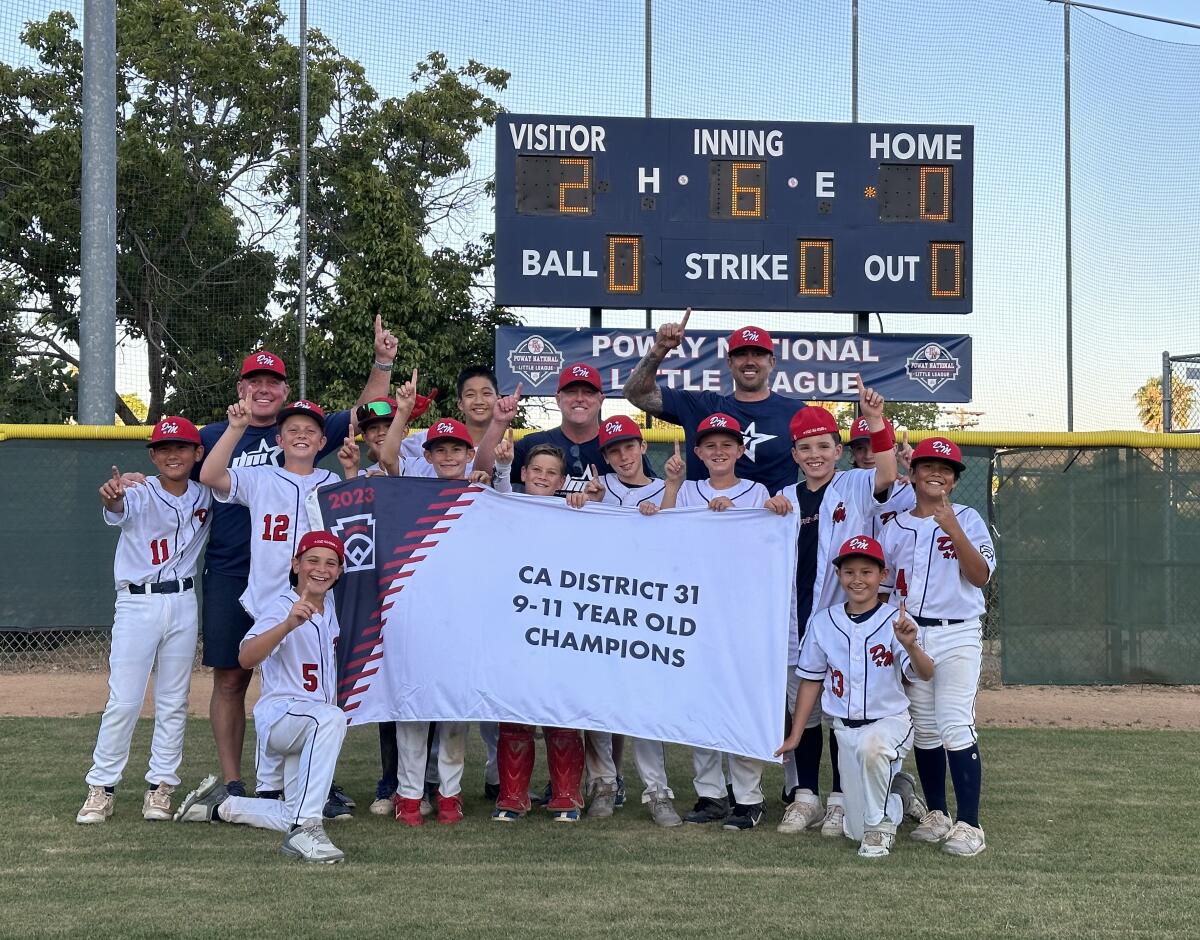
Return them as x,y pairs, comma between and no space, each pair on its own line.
262,381
763,414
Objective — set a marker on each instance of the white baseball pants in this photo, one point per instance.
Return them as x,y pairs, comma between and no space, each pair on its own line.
150,632
411,744
869,757
598,758
308,739
745,773
650,759
943,709
489,733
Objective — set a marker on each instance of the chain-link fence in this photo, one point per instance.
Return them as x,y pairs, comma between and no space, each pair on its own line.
1173,404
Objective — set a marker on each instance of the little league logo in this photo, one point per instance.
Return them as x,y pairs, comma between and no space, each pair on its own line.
932,366
358,536
535,359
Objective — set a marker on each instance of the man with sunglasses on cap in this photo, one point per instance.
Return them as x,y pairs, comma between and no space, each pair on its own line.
263,384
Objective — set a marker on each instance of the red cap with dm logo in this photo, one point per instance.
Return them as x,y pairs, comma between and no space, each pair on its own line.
263,361
172,430
754,337
618,428
938,448
302,407
719,423
862,545
580,372
448,429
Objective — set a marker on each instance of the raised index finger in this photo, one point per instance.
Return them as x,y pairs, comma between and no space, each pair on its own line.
683,323
378,325
517,393
414,378
677,448
116,475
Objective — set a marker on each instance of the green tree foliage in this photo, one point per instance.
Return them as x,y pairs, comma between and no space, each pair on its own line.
1149,401
207,188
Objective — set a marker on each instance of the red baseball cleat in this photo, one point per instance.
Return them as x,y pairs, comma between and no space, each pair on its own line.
408,811
449,809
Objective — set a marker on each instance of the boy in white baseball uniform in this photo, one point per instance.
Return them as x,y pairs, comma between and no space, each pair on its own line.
857,652
276,498
296,716
940,556
164,524
832,504
719,445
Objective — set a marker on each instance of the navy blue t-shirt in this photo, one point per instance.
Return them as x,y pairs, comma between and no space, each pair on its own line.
228,549
765,430
580,457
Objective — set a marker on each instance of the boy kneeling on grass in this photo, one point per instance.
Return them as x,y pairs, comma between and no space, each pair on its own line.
859,652
296,716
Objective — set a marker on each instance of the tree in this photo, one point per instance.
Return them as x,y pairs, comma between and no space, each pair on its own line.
1149,400
207,140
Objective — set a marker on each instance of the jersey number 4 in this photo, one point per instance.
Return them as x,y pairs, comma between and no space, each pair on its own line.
158,551
275,528
901,583
309,672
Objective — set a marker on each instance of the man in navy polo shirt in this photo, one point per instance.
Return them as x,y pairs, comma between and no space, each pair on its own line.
763,414
224,622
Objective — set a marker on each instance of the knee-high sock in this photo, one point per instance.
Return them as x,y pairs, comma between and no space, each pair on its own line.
966,772
931,768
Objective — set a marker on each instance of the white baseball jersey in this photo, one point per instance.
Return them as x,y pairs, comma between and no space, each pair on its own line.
303,667
617,493
901,499
860,664
745,495
847,509
923,565
161,535
278,520
413,462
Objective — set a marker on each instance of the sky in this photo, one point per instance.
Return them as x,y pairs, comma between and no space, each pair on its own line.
995,64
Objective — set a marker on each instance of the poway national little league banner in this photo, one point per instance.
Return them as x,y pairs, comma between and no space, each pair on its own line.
462,604
901,367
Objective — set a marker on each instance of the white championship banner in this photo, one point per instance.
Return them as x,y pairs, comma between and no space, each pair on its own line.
473,605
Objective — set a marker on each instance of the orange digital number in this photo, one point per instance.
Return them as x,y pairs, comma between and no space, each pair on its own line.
736,190
584,184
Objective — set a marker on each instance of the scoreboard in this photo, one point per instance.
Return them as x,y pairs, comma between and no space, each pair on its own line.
733,215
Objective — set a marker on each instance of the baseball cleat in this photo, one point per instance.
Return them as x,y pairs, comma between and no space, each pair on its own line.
876,843
964,840
201,804
156,804
745,816
505,815
408,811
603,801
97,807
707,810
338,795
565,815
934,827
449,810
803,812
309,843
662,810
904,786
382,805
834,823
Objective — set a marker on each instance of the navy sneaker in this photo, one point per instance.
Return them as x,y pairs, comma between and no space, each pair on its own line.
707,810
745,816
338,795
619,799
335,811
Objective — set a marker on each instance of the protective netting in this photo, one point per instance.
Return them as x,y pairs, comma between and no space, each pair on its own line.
1179,408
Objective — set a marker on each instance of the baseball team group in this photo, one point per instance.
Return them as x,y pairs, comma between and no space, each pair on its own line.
885,641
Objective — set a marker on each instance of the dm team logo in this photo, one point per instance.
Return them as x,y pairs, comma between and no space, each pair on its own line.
358,536
932,366
535,358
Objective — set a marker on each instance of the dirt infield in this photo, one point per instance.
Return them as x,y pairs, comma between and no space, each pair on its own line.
69,694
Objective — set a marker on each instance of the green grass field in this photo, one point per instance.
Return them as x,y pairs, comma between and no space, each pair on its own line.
1090,834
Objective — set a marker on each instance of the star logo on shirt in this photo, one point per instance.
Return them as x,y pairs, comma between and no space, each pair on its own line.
261,456
751,438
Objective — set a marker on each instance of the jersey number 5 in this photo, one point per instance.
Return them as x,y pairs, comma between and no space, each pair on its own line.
275,528
158,551
309,671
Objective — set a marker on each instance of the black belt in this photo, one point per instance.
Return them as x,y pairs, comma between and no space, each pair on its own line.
161,587
935,622
857,722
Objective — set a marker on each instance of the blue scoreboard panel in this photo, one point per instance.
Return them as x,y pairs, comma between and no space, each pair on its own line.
733,215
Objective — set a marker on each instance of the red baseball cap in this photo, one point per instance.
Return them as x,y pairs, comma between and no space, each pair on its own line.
580,372
448,429
374,411
938,448
263,361
812,420
860,432
618,428
862,545
719,423
321,539
754,337
172,430
302,407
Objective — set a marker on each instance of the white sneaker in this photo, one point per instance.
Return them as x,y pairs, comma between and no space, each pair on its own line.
876,843
833,825
964,840
934,827
309,843
156,804
905,787
97,807
383,807
804,811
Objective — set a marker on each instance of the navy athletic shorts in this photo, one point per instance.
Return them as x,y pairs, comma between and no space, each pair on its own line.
223,620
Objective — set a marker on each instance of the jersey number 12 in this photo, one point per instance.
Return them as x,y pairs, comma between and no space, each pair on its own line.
275,528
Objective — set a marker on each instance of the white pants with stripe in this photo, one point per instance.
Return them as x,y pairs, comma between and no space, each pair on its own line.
307,739
943,709
412,738
869,757
650,759
745,774
151,632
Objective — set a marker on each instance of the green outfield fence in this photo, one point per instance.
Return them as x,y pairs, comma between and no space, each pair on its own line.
1097,535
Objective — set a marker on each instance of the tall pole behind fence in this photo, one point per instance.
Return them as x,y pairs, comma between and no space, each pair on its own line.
302,182
1067,212
98,229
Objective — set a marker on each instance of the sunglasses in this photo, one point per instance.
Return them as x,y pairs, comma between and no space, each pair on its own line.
378,409
577,468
